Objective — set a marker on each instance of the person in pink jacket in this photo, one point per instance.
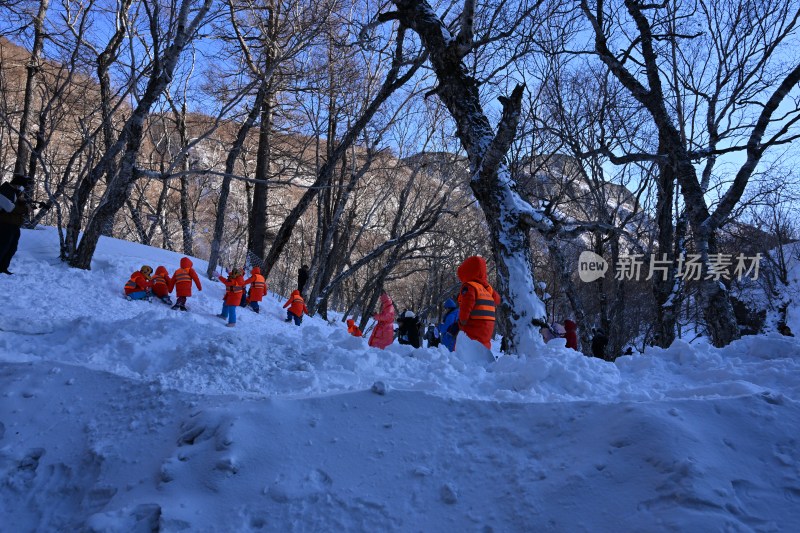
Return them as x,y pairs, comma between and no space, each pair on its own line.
383,333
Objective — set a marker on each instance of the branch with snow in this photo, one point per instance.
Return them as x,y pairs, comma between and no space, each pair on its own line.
506,131
466,36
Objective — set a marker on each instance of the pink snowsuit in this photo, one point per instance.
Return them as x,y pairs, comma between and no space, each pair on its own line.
383,333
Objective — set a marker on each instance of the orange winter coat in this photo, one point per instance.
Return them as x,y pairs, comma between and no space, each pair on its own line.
258,285
161,282
477,302
352,329
182,279
137,283
296,304
234,288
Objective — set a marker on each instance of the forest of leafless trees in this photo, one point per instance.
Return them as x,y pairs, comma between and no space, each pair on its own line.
381,143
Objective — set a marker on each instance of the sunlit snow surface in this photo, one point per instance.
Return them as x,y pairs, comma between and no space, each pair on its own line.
128,416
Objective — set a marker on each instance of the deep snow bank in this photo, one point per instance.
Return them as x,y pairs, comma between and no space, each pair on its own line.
82,447
122,416
81,318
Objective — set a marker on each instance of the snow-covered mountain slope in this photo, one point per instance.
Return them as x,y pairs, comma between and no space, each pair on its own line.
128,416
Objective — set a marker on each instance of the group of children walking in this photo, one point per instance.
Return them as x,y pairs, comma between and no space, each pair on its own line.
474,314
143,285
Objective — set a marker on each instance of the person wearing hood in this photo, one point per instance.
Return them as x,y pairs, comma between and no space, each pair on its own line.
14,209
432,336
297,306
161,283
599,343
182,283
383,332
258,289
352,329
448,329
571,334
138,287
477,302
408,329
233,295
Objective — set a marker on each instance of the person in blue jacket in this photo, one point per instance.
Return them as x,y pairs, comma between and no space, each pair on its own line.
448,329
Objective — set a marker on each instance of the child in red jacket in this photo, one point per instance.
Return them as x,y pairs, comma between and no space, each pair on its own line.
161,283
297,306
138,287
572,334
233,295
182,283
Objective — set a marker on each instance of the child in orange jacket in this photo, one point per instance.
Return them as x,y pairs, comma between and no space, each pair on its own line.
161,283
258,289
352,329
138,287
297,306
233,295
182,283
477,301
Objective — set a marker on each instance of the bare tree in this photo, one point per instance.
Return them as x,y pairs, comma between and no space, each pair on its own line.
729,104
395,78
166,50
509,217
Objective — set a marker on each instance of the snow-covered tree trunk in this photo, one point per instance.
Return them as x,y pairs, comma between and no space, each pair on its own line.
663,286
508,216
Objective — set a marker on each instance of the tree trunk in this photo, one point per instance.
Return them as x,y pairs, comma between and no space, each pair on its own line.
666,317
230,165
33,66
257,230
507,215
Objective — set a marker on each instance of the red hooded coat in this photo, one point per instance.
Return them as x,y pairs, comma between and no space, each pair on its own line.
572,334
161,282
182,279
296,304
477,301
383,332
258,289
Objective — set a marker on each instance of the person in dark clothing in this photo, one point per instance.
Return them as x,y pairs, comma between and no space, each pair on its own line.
408,330
11,224
432,336
302,278
599,343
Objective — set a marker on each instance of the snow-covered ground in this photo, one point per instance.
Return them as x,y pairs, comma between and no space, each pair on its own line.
121,416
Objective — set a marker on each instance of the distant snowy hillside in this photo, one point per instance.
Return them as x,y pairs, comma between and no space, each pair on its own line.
121,416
